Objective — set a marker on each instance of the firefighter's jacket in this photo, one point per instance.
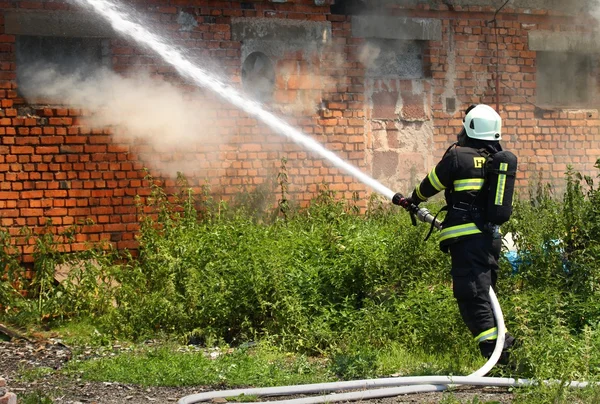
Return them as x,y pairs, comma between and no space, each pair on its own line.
460,174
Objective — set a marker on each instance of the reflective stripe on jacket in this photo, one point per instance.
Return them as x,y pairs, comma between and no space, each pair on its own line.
460,174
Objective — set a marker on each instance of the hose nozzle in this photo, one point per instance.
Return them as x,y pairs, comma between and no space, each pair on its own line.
422,214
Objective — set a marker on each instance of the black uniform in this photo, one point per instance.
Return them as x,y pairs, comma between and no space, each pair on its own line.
473,243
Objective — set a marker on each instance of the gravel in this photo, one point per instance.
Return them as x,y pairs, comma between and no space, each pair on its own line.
20,357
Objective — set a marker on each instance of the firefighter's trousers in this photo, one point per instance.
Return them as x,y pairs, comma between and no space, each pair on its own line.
474,270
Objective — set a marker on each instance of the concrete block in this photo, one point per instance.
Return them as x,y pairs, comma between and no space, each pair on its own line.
55,23
410,164
570,7
276,37
578,42
385,58
385,164
277,29
387,27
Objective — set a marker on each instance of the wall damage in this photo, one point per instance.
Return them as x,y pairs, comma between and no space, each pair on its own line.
382,83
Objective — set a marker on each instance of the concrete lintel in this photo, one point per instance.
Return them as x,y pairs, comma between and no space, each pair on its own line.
277,29
577,42
570,7
55,23
386,27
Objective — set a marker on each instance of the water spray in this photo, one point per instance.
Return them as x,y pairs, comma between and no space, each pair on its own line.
116,15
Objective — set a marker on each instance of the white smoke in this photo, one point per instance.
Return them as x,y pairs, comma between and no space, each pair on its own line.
368,55
595,9
137,108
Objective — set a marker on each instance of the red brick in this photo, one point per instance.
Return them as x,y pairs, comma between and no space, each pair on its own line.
31,212
31,194
21,149
8,195
46,150
56,212
384,105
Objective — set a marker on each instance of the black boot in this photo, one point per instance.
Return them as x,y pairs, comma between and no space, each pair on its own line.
509,343
487,348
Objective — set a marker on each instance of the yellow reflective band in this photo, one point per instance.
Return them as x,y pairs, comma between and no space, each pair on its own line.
419,194
468,184
492,333
435,181
460,230
501,184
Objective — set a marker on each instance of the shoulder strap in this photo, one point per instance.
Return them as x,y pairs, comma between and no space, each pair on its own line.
485,153
449,148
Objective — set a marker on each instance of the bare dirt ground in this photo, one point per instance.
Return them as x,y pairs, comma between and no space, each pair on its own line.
21,360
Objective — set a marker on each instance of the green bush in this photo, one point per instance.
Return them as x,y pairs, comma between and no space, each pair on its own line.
325,280
303,279
86,291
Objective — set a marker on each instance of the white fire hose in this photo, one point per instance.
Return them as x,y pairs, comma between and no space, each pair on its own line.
112,12
391,386
384,387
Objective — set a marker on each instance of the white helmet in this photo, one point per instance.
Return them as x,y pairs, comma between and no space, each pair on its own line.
483,123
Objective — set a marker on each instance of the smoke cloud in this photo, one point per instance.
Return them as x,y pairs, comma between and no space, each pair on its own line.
595,9
137,108
368,54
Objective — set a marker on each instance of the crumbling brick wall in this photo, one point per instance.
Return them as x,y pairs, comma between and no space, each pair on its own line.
463,67
55,166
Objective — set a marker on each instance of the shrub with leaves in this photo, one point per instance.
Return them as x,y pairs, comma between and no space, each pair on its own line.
326,279
304,279
85,291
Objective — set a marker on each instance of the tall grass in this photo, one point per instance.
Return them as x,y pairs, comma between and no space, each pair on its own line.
328,280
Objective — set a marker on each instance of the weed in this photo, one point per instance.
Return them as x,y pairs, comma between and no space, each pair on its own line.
324,281
32,374
357,365
36,397
244,398
168,366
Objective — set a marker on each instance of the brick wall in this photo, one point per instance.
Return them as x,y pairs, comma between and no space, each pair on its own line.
545,139
463,71
53,164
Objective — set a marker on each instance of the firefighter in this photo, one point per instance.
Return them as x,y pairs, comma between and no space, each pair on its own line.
473,242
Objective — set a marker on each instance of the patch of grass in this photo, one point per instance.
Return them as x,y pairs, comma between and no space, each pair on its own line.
244,398
399,360
33,374
556,394
80,332
165,366
77,332
263,365
36,397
